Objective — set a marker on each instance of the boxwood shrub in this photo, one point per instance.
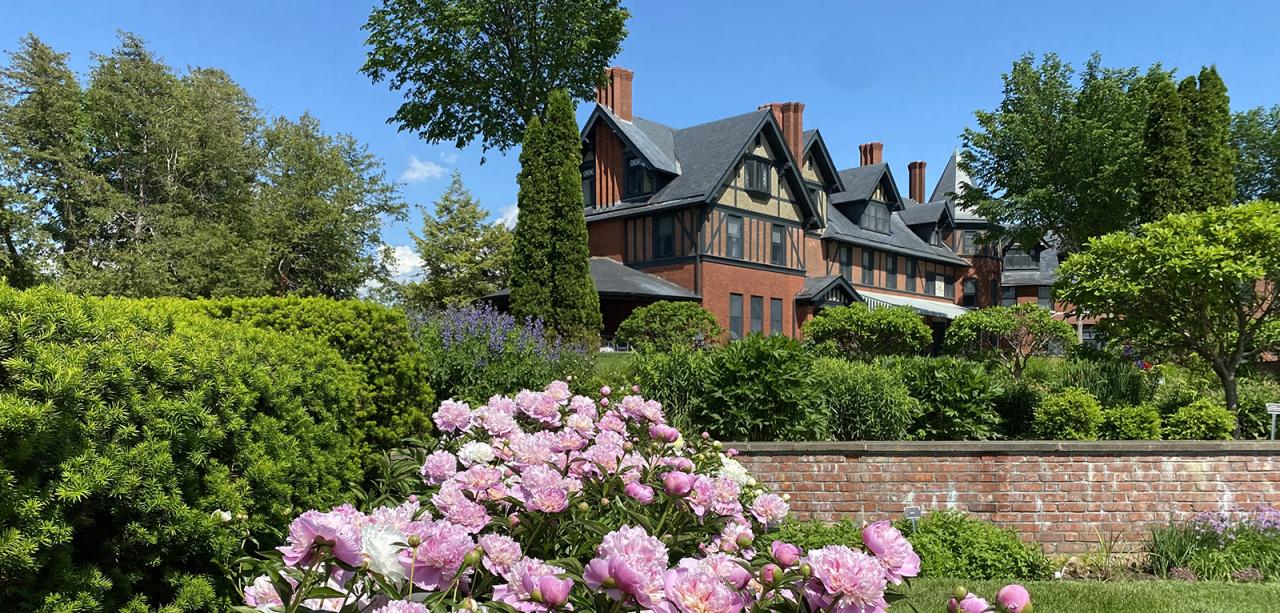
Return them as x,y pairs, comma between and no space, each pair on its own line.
953,544
1139,422
1070,415
1203,420
143,448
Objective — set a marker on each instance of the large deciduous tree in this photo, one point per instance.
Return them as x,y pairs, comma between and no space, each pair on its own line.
482,68
1203,284
1255,138
463,257
551,273
1009,334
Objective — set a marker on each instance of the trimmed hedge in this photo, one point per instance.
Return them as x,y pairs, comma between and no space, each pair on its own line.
143,446
666,325
1139,422
1204,419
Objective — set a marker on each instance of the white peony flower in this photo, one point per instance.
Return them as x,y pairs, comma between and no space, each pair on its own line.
381,550
734,470
475,452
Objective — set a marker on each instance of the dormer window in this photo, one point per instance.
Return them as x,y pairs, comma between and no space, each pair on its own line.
756,171
937,237
1019,259
876,218
639,181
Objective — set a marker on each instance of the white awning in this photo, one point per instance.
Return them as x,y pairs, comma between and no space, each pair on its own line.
932,308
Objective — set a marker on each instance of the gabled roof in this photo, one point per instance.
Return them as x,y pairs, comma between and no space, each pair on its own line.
861,182
817,289
950,184
653,141
922,214
900,238
817,148
613,279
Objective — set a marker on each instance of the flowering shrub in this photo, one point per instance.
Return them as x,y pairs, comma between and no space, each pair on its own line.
1240,545
547,501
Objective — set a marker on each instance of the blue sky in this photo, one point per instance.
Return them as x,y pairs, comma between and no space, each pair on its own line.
909,74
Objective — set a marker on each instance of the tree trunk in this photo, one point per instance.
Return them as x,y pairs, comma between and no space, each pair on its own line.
1228,378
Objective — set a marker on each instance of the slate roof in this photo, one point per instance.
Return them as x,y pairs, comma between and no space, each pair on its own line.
614,279
917,214
816,286
900,238
859,182
813,138
949,184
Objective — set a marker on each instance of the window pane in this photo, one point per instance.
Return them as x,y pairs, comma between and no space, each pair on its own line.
775,316
757,313
1018,259
949,289
911,275
891,272
868,267
664,237
735,236
777,246
970,298
845,254
1008,296
735,316
1044,296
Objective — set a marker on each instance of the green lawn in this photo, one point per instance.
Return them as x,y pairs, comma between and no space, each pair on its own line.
611,362
930,595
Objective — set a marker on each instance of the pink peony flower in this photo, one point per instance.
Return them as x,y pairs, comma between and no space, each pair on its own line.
892,549
845,581
769,509
439,554
664,433
533,586
500,553
643,493
785,554
453,416
558,391
971,604
677,483
402,606
335,531
440,465
629,565
262,595
723,566
454,505
1013,598
699,591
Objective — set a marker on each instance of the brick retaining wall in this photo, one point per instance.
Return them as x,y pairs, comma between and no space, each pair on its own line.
1057,493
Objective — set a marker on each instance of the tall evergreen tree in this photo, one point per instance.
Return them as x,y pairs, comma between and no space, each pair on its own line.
1168,161
551,276
463,257
1208,110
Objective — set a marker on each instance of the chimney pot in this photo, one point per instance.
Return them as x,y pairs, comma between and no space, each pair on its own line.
870,153
915,172
790,119
616,94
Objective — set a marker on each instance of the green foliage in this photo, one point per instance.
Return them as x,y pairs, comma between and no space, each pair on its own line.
666,325
860,332
127,430
1070,415
1112,381
1255,137
677,379
1167,185
952,544
396,400
1208,110
463,258
1177,387
1255,393
551,276
813,534
1217,546
477,69
1193,284
957,398
863,402
1202,420
1016,406
760,388
1010,335
1135,422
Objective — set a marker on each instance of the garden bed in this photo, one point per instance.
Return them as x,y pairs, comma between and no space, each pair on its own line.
1115,596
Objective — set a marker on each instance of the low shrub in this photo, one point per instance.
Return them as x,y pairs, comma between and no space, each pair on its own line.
1140,422
1218,546
666,325
1253,394
813,534
142,445
1016,404
760,388
677,379
860,332
952,544
1203,420
476,351
1176,387
863,402
957,398
1113,381
1070,415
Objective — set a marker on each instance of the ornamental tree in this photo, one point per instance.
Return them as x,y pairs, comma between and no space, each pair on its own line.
667,324
1201,284
858,331
463,257
1010,335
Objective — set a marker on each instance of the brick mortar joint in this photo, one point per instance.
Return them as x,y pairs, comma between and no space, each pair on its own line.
1263,449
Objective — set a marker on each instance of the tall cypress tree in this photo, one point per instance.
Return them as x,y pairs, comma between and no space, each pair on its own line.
1209,139
1167,159
530,269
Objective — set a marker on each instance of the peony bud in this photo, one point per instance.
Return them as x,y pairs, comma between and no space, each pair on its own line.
769,573
785,554
635,389
639,491
414,540
604,402
677,483
584,507
553,591
1014,598
960,592
474,556
806,570
731,452
606,390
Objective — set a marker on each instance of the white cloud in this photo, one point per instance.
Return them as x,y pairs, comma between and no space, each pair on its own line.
419,170
449,157
508,216
406,265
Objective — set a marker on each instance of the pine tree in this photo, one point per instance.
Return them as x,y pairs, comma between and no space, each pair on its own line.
1209,140
551,276
463,257
1167,159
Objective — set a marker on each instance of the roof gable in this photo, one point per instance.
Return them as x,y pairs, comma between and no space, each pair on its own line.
652,141
861,183
815,147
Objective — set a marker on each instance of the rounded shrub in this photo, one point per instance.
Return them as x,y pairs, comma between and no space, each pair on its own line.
141,447
1203,420
860,332
1131,422
952,544
1070,415
666,325
863,402
957,398
1016,405
760,388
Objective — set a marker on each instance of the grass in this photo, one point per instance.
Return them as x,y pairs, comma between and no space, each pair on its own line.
613,362
930,595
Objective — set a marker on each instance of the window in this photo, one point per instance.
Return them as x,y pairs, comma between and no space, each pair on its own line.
639,181
735,316
1019,259
995,293
757,313
778,246
733,248
775,316
589,187
936,239
757,174
969,242
664,236
891,271
868,267
911,275
844,253
1008,296
1044,296
970,298
876,218
949,287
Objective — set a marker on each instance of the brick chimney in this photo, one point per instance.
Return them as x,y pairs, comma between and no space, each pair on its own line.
617,93
915,172
870,153
790,118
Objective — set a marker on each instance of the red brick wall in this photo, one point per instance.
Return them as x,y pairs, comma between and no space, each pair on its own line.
719,280
1056,493
605,238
